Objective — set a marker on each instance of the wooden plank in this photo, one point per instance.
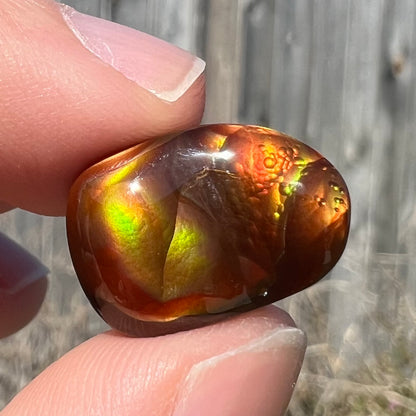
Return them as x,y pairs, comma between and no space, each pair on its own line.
130,13
182,26
254,90
291,66
396,86
224,56
92,7
330,20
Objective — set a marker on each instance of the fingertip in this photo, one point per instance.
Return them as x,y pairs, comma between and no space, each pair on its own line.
256,378
113,374
23,286
77,107
18,309
157,66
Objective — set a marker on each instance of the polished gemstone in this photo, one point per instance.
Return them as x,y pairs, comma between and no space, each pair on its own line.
180,231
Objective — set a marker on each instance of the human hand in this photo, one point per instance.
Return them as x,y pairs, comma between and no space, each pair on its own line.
62,109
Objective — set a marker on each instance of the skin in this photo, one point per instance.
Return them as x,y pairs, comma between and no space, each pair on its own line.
57,106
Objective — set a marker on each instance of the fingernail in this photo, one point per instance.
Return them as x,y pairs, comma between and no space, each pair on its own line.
159,67
254,379
18,268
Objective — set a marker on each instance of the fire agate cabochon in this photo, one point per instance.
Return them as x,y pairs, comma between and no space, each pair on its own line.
177,232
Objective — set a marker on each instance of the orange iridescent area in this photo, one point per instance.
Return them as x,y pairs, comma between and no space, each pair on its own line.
179,232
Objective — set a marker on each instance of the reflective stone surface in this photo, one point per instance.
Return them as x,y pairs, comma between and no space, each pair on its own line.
178,232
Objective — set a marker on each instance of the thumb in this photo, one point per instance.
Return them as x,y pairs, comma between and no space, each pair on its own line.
74,89
244,366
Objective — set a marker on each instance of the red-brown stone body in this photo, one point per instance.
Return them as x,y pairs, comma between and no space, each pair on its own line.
173,233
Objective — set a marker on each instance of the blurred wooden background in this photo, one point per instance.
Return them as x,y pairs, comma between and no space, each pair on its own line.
341,76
